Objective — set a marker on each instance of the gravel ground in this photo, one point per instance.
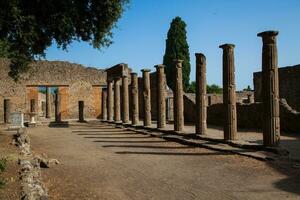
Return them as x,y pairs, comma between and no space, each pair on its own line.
11,190
101,162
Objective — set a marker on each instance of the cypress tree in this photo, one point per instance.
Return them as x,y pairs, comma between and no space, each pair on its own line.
177,48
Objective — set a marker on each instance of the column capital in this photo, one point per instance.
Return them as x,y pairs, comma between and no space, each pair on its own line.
116,79
227,46
177,61
159,66
270,33
269,37
133,74
145,70
199,55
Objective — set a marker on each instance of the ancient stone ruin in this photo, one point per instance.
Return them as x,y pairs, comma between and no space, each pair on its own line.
71,82
118,95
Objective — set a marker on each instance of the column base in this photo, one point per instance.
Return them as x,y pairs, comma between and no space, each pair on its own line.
161,128
31,124
178,132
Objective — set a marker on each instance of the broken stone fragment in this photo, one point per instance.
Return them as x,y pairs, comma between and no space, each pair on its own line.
43,161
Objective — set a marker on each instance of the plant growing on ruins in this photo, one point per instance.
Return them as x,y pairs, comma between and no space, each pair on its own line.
177,48
214,89
27,28
3,162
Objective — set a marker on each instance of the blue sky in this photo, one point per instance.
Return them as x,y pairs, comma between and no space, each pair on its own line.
139,39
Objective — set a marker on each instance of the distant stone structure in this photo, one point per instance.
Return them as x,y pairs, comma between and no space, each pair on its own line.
73,82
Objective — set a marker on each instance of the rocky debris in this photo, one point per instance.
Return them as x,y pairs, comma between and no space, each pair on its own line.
44,162
32,187
22,140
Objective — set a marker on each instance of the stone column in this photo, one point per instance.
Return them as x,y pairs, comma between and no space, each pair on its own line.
110,99
270,89
117,100
178,97
48,102
135,99
125,100
250,98
209,101
33,113
81,111
229,96
57,108
6,111
104,105
201,126
146,97
32,106
161,96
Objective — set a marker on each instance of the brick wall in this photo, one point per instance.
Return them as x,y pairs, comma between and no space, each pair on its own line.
289,85
74,81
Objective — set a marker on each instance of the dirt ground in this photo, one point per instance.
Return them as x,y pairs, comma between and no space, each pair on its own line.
101,162
11,189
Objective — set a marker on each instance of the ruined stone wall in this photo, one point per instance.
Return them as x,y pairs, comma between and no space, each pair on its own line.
211,99
250,116
189,108
76,82
289,85
241,97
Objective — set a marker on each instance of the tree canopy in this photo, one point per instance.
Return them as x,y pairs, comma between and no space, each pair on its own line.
28,27
248,88
210,89
177,48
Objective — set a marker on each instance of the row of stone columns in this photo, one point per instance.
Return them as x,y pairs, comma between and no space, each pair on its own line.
113,94
270,93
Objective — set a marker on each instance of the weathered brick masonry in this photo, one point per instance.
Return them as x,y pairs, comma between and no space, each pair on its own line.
289,85
75,83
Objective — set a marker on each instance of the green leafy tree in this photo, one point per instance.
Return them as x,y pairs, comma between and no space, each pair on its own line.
3,164
248,88
177,48
28,27
214,89
209,88
4,49
192,87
